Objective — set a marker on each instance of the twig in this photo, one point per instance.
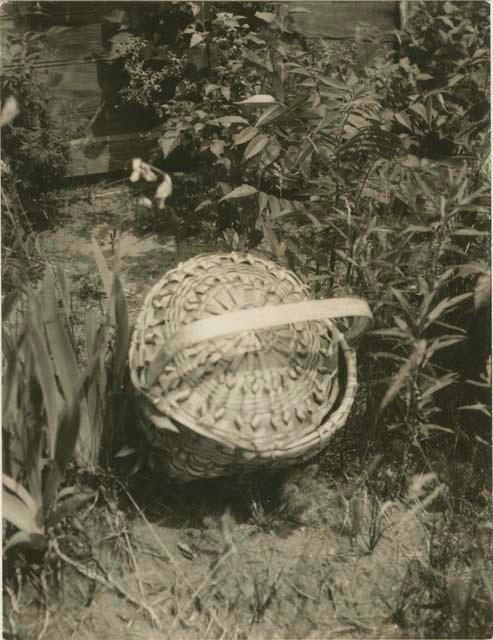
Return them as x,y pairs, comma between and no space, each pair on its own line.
46,622
108,582
135,565
203,584
151,528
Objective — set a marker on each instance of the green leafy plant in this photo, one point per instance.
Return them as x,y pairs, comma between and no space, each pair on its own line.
34,146
58,404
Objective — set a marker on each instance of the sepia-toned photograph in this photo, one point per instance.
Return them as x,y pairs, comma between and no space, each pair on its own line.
246,320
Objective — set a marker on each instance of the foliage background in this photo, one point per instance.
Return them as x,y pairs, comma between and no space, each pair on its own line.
368,178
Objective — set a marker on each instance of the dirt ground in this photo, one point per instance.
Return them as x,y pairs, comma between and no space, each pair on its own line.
109,213
305,563
294,556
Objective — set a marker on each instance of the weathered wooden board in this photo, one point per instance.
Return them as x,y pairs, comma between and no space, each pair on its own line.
58,12
74,90
63,44
107,154
341,18
79,80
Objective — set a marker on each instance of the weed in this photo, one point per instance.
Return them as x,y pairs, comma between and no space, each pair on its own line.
368,179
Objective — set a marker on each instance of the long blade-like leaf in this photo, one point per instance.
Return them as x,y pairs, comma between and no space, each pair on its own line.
68,506
32,540
70,423
90,332
65,288
58,339
122,338
66,366
21,492
17,513
104,272
53,480
46,378
403,374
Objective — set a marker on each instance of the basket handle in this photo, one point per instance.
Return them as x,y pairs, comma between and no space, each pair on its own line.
234,322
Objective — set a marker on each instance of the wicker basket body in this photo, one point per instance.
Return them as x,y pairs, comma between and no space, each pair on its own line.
267,397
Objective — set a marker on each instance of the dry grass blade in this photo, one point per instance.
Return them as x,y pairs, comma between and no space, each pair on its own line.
403,374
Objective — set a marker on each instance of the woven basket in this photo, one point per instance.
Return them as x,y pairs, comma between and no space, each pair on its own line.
238,367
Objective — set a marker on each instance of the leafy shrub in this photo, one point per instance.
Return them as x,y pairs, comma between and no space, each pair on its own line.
440,86
35,146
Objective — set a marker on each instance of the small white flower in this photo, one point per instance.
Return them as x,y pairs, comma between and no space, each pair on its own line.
147,173
164,190
135,175
145,202
9,110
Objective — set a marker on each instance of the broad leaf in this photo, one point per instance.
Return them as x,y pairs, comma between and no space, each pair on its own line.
274,206
420,109
258,99
217,147
68,506
271,114
169,141
275,246
254,58
17,513
403,118
265,16
242,191
196,39
482,291
36,541
263,200
226,121
21,492
256,146
245,135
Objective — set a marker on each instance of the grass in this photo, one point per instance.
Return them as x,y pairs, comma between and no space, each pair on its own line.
385,534
217,576
307,553
352,544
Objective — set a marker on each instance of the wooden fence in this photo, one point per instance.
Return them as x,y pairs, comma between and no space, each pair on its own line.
81,78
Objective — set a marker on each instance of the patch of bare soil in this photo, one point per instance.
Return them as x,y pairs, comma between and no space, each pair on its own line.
225,559
294,556
147,248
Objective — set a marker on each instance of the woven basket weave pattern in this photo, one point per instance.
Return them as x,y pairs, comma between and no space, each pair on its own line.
265,397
